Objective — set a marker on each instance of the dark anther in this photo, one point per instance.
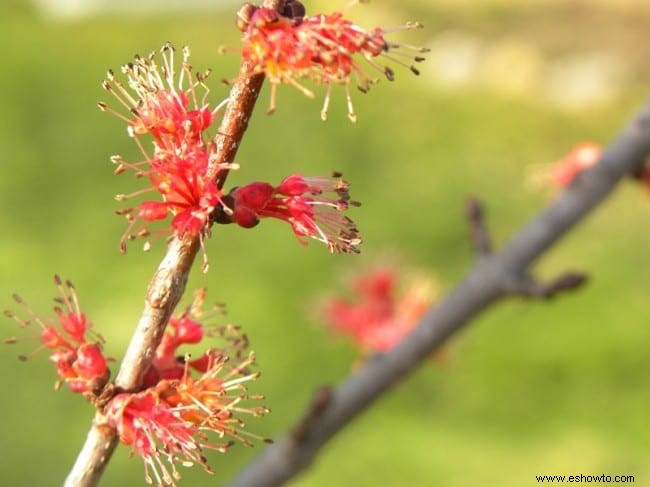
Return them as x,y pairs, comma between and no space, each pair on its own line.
293,10
222,215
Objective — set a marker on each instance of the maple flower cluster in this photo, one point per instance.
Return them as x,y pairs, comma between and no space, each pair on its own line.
182,399
76,351
164,103
172,114
304,203
168,422
378,317
581,157
324,48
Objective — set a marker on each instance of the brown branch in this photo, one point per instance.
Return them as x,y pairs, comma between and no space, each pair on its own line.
479,233
489,280
167,285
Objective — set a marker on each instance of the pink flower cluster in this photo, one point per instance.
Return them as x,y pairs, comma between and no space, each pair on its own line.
79,362
324,48
165,104
171,113
303,202
582,157
377,317
183,400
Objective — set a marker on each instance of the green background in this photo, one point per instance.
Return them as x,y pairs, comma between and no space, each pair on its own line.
531,388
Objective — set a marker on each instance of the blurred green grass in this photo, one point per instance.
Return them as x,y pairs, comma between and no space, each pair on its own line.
529,389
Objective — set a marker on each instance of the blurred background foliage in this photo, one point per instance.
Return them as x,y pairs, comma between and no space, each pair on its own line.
530,388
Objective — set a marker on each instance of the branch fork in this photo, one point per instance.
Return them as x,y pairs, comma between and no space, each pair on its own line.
514,284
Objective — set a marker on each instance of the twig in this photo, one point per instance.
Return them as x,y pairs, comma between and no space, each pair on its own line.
480,236
167,286
489,280
521,284
531,288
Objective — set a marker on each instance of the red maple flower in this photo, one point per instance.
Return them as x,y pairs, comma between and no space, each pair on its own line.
582,156
301,201
78,362
272,47
153,429
188,328
564,172
163,102
377,317
185,400
213,400
187,192
325,48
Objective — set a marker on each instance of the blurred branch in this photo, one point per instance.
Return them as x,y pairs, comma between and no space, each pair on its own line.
493,276
167,286
521,284
479,232
530,288
319,403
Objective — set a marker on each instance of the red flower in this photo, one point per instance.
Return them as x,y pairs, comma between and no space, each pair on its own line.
213,400
153,429
580,158
187,193
377,317
79,363
90,369
164,102
166,105
271,46
323,48
171,419
188,329
304,204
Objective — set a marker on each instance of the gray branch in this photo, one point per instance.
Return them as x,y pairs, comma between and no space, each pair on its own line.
494,276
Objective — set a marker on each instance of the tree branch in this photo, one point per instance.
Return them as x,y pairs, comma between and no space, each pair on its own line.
479,233
529,288
521,284
492,277
167,285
